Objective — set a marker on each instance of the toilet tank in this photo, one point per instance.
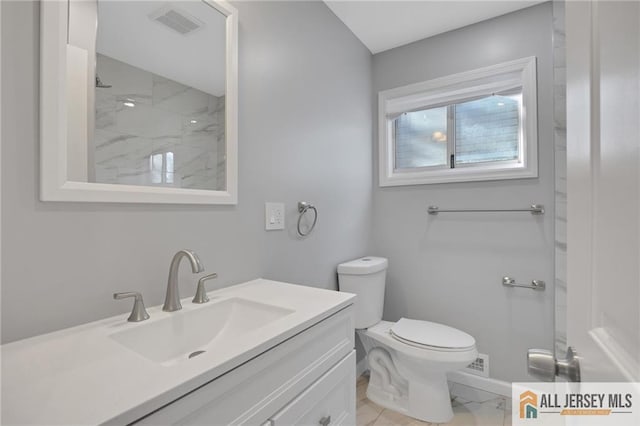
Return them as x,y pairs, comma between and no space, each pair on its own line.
365,277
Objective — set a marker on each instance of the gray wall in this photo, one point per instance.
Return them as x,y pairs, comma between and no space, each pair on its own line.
305,96
448,268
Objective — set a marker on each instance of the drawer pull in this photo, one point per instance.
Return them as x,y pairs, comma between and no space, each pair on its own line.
325,421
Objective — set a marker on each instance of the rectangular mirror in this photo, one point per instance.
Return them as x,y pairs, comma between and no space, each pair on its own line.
139,101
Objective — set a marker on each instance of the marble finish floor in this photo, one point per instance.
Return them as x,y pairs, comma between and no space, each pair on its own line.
476,408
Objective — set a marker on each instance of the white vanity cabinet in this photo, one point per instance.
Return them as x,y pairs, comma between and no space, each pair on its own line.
330,400
308,379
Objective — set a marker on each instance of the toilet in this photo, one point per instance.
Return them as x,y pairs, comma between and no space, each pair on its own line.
408,360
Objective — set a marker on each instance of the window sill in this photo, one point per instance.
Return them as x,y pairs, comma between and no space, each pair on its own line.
463,174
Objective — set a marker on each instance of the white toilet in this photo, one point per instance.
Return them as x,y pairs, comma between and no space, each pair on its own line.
408,359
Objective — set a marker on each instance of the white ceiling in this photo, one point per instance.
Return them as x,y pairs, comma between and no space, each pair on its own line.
196,59
383,25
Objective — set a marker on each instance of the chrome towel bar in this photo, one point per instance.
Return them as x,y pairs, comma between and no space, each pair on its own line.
535,284
533,209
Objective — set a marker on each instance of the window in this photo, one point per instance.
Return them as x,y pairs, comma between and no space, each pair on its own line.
477,125
162,168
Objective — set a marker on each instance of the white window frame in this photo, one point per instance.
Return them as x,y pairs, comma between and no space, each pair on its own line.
455,89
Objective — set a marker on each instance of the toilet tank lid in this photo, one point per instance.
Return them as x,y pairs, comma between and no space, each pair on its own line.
364,265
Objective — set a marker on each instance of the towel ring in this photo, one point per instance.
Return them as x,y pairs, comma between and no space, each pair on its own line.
303,207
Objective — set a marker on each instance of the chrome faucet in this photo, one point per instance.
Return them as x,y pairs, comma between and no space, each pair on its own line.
201,293
138,313
172,300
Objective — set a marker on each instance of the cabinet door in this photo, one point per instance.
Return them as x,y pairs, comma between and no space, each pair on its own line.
331,400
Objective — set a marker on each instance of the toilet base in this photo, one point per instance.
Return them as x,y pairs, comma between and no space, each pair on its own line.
384,400
426,401
430,401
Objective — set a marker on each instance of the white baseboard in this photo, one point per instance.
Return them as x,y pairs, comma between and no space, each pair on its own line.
361,367
487,384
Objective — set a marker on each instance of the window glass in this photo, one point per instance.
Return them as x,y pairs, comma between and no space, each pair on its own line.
421,138
487,129
169,167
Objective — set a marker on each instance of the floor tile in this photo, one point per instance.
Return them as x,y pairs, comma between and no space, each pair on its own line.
367,412
507,412
507,419
488,413
391,418
415,422
361,388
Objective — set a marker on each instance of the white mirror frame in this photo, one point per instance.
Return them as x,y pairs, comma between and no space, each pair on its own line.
54,182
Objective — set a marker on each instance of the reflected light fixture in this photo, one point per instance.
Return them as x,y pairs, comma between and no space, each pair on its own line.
439,136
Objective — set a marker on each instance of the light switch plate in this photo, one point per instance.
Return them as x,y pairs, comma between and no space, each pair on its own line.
273,216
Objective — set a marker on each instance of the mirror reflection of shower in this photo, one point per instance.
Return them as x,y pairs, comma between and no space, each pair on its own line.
100,84
159,93
162,169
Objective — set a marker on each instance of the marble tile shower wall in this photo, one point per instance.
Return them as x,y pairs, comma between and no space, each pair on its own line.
154,131
560,139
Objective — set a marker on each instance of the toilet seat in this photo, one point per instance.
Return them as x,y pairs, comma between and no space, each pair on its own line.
431,335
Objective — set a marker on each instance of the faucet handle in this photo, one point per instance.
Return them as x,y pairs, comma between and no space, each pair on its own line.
201,294
138,313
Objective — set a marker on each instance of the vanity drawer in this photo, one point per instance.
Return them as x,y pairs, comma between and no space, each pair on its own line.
252,392
329,401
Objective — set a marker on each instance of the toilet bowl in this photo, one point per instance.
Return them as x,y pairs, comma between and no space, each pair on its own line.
408,360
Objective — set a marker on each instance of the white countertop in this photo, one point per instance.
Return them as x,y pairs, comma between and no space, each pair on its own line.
81,376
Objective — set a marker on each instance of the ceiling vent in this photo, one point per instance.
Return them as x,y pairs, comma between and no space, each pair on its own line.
176,19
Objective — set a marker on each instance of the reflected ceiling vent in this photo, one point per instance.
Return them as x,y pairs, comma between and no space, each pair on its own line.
176,19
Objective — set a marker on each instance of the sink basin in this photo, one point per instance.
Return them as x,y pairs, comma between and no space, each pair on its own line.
186,334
